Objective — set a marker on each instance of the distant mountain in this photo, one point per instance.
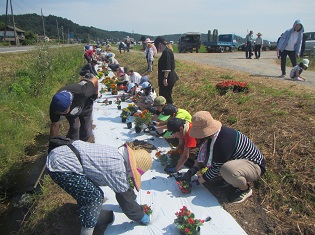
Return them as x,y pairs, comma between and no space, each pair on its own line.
33,22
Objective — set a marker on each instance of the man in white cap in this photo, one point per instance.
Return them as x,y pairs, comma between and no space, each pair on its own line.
226,152
81,168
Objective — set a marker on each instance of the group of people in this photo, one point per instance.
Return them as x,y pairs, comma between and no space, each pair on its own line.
290,44
81,167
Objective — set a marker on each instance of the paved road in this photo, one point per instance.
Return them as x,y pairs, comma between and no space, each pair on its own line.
266,66
15,49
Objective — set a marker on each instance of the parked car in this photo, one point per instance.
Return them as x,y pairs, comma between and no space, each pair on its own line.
267,46
310,44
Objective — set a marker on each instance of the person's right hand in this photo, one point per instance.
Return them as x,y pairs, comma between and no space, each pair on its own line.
145,219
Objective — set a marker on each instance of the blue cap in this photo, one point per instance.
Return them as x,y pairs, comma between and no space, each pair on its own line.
130,85
143,79
61,101
146,85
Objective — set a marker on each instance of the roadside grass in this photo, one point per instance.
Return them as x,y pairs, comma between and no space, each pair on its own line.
276,115
28,81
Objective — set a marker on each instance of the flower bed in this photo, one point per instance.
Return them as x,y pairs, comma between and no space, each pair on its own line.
234,86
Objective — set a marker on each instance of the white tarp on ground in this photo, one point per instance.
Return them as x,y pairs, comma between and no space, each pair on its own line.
157,190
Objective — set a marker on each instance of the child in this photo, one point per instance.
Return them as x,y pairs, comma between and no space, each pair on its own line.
146,98
298,69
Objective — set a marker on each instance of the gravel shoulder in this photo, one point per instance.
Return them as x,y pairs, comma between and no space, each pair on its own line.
266,66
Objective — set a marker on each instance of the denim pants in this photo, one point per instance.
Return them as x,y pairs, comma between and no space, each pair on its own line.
248,50
284,55
239,172
88,195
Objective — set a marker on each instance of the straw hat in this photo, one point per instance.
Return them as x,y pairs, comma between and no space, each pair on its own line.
140,162
203,125
259,34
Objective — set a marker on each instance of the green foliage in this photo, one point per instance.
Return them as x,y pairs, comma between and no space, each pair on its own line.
25,100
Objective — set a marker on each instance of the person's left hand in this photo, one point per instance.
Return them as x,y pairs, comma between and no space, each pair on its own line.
201,180
170,170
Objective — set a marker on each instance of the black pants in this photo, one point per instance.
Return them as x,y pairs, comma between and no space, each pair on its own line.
166,92
284,55
257,51
89,59
81,126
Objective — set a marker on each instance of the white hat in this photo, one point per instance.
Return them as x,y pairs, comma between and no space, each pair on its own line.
305,62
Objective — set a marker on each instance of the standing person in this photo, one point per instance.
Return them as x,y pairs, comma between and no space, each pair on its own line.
303,44
296,71
167,76
89,68
127,42
290,45
122,46
249,46
226,152
149,54
258,45
75,102
81,172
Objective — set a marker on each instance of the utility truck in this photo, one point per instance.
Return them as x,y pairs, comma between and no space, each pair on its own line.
220,43
189,42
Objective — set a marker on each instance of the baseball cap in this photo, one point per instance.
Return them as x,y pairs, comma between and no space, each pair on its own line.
159,100
61,101
146,85
173,125
143,79
167,111
130,85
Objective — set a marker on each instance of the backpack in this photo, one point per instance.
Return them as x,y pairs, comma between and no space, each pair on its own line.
58,141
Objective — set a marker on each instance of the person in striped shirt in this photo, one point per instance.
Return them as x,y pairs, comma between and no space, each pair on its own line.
227,153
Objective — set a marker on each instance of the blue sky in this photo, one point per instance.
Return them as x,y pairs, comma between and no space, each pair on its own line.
160,17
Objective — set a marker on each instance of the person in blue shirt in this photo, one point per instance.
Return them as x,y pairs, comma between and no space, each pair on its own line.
290,45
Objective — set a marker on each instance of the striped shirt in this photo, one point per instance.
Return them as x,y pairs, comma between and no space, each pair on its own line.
231,145
102,164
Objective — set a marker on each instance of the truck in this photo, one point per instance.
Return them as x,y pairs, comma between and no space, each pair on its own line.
189,41
220,43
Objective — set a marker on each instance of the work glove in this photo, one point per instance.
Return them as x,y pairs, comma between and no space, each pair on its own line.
187,176
145,219
170,170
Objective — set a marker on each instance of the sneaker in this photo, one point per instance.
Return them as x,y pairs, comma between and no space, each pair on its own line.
237,195
282,76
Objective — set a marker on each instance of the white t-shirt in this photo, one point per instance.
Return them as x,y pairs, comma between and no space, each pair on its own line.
292,41
135,78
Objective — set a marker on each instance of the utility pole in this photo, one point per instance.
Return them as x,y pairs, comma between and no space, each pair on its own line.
6,21
58,31
68,37
15,36
43,23
63,38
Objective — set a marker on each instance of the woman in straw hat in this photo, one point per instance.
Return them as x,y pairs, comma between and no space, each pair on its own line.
226,152
96,165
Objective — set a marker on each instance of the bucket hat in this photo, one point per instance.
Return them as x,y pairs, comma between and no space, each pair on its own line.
204,125
159,100
130,85
140,162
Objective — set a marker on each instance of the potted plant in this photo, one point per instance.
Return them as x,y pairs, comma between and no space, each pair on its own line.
124,113
143,118
186,222
118,102
147,209
133,109
124,118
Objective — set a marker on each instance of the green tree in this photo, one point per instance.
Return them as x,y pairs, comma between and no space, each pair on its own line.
30,38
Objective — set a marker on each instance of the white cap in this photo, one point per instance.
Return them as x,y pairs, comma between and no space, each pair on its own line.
305,62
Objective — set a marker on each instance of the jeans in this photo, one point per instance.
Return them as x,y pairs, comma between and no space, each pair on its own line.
249,50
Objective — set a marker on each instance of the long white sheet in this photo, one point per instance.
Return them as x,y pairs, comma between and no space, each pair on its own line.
157,190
